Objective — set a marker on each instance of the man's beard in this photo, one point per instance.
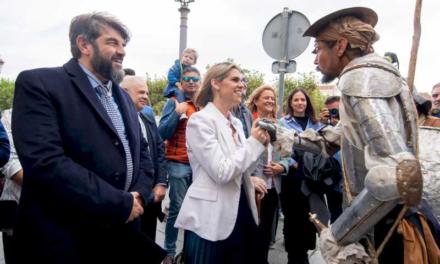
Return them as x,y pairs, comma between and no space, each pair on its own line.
326,78
104,67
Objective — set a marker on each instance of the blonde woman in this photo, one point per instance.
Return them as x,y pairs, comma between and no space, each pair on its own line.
270,168
219,211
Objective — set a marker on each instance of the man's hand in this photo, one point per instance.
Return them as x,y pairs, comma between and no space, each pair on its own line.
324,115
159,192
181,107
137,209
273,169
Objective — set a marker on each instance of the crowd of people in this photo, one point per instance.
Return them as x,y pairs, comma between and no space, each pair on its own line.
88,165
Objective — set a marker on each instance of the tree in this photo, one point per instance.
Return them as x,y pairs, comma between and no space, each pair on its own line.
255,79
156,87
6,93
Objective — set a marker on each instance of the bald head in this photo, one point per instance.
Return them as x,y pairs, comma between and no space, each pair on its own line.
137,88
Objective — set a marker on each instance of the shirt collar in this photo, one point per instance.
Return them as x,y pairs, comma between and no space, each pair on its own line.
226,120
95,82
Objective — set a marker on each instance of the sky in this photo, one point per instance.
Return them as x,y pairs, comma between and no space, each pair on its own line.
35,33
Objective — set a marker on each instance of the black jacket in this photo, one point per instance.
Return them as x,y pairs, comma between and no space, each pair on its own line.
73,207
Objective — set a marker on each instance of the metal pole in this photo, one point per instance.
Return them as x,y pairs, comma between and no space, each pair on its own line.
184,10
280,96
283,63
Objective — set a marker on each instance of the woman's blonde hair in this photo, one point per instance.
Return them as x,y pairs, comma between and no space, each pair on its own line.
255,95
217,72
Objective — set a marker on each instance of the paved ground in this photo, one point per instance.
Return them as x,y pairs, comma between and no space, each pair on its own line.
277,255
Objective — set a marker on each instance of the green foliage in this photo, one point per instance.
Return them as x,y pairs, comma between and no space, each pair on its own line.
255,79
6,93
156,87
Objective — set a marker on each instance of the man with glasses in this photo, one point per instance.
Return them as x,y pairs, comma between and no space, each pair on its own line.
172,128
435,93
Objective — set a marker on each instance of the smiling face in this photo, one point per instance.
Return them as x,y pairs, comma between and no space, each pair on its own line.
265,103
436,97
190,83
137,89
108,52
299,104
229,91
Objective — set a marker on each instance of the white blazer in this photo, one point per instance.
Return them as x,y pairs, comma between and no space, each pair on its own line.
219,166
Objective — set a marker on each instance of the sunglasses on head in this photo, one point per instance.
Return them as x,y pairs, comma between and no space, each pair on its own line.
188,78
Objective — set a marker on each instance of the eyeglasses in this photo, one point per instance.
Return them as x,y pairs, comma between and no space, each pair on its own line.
188,78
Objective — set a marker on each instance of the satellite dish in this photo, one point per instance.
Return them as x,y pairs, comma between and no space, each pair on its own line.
274,40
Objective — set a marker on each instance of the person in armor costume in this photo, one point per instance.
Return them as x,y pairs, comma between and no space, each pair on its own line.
377,135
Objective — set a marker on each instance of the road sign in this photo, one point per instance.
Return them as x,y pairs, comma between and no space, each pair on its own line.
282,37
283,41
289,68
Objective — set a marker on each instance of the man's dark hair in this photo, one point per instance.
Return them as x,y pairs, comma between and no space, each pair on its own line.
332,99
90,25
190,69
129,72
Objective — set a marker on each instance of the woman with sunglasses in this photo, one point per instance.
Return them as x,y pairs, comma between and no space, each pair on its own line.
219,211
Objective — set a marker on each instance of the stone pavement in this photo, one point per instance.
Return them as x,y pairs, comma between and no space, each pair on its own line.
277,255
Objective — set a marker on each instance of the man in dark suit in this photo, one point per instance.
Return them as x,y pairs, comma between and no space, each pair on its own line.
4,146
87,173
137,88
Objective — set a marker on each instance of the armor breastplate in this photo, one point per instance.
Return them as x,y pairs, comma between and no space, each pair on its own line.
354,167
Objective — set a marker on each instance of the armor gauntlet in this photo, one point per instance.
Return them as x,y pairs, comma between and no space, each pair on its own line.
325,142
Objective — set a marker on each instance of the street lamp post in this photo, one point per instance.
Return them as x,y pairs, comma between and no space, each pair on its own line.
184,10
1,64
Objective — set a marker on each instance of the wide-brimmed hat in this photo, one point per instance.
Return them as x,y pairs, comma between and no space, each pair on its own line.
365,14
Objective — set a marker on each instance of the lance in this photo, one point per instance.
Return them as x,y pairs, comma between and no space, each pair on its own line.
415,44
410,79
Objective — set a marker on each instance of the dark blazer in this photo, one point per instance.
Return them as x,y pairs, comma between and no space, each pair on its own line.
73,207
5,150
157,150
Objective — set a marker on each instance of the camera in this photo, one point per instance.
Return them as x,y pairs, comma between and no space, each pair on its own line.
270,127
334,113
